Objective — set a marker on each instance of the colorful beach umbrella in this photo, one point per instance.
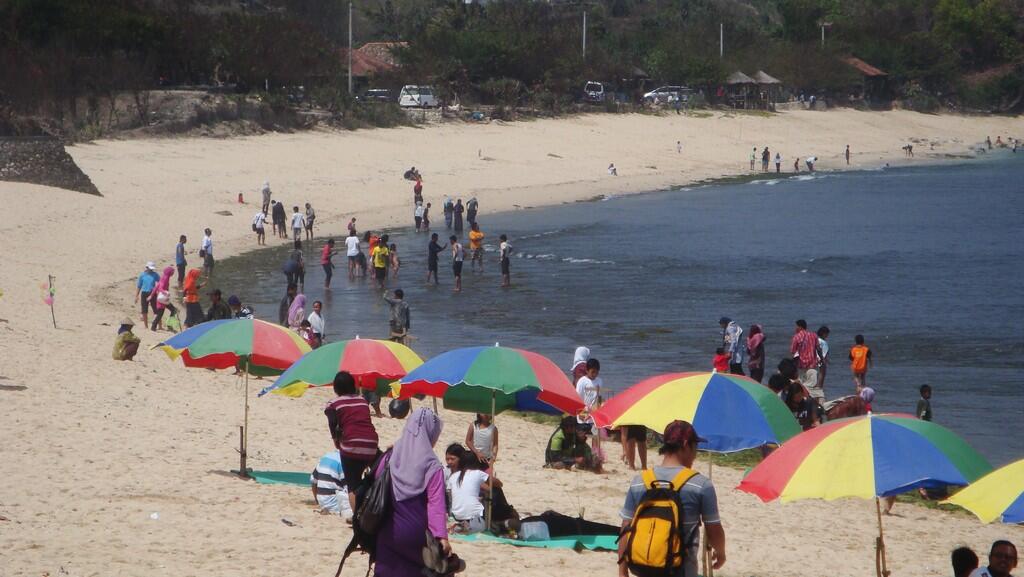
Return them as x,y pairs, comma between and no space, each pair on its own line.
731,411
256,346
373,363
998,495
868,457
492,380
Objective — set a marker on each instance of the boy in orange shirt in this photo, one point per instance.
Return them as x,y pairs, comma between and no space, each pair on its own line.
860,359
476,247
721,361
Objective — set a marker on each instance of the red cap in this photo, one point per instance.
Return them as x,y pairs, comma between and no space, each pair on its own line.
681,433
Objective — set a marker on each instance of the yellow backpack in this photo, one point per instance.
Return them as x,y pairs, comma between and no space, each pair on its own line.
654,539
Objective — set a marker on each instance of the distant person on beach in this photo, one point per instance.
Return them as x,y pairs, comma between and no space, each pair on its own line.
505,252
988,142
720,362
457,211
696,494
297,311
352,227
735,344
1002,560
327,481
294,269
380,256
417,216
327,262
218,310
860,360
238,310
778,163
612,171
144,287
426,218
823,357
765,158
908,150
796,164
472,207
412,174
449,212
579,364
352,252
206,251
126,344
458,255
924,404
755,352
417,193
398,317
964,560
310,217
476,247
277,214
353,433
396,262
482,440
804,348
588,387
265,191
286,304
810,163
259,222
160,299
193,310
847,154
317,324
179,259
679,146
433,250
298,223
753,157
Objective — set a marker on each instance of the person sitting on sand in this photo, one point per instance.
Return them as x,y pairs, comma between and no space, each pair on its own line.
1002,559
126,345
218,310
567,448
466,487
327,481
800,404
238,310
451,463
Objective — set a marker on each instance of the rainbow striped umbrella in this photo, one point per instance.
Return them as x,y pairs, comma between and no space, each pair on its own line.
492,380
373,363
998,495
256,346
868,456
731,411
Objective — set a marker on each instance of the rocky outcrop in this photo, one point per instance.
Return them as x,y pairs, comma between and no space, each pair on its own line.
41,160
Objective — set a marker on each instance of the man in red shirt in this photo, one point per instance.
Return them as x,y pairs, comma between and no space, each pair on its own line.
804,348
325,261
348,418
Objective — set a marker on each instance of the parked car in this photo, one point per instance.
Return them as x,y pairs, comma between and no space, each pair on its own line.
666,94
418,97
597,92
376,95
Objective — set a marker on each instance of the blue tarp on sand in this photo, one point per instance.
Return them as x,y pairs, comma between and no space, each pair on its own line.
280,478
576,542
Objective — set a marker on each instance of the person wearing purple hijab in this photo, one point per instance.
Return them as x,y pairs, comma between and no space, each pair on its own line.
417,488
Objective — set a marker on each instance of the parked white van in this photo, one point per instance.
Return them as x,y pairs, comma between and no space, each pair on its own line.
417,97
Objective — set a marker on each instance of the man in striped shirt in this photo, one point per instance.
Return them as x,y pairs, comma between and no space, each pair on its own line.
328,486
348,418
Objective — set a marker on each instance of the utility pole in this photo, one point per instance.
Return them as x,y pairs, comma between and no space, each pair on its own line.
584,35
721,41
823,36
350,48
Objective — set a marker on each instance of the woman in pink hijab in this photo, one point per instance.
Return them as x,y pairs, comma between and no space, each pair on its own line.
755,351
161,299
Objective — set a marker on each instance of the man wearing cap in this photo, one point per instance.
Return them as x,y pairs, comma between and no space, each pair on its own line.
734,343
237,310
144,287
218,310
700,503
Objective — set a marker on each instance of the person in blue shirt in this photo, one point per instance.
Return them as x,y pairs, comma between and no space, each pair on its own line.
179,260
144,287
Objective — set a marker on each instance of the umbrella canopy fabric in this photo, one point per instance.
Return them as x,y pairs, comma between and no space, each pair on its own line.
762,77
998,495
370,361
265,347
739,78
731,411
469,378
866,457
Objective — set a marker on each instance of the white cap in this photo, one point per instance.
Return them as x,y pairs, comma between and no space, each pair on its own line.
151,265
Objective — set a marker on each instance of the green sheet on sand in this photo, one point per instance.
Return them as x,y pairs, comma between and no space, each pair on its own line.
577,542
280,478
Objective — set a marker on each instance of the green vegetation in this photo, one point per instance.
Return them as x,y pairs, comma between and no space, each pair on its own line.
62,57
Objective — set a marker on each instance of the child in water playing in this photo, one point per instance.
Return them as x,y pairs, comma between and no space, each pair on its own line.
395,262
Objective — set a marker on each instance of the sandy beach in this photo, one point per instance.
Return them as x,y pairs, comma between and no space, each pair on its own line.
116,468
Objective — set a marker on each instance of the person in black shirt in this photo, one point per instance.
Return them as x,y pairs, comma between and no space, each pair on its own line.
218,310
433,249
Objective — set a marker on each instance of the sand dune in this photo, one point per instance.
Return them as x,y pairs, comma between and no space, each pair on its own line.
93,448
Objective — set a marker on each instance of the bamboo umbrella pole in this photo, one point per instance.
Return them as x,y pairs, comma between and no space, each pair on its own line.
881,569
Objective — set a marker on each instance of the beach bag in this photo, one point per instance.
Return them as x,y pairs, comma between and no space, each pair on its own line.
654,538
373,505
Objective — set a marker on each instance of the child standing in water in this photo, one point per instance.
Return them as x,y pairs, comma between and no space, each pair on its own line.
721,361
860,359
395,262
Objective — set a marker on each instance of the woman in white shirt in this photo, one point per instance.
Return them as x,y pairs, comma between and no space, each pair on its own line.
466,487
482,439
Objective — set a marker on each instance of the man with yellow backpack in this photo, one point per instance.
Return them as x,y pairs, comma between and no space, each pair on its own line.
664,509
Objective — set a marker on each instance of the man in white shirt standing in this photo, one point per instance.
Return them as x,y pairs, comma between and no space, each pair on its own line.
352,251
589,390
259,227
298,223
316,323
207,250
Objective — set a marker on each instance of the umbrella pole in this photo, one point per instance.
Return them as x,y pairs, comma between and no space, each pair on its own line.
490,485
881,570
708,569
244,433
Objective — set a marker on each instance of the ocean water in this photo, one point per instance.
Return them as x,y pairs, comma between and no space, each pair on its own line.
927,263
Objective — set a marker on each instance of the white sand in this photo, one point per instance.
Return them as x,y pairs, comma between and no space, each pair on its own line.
91,448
